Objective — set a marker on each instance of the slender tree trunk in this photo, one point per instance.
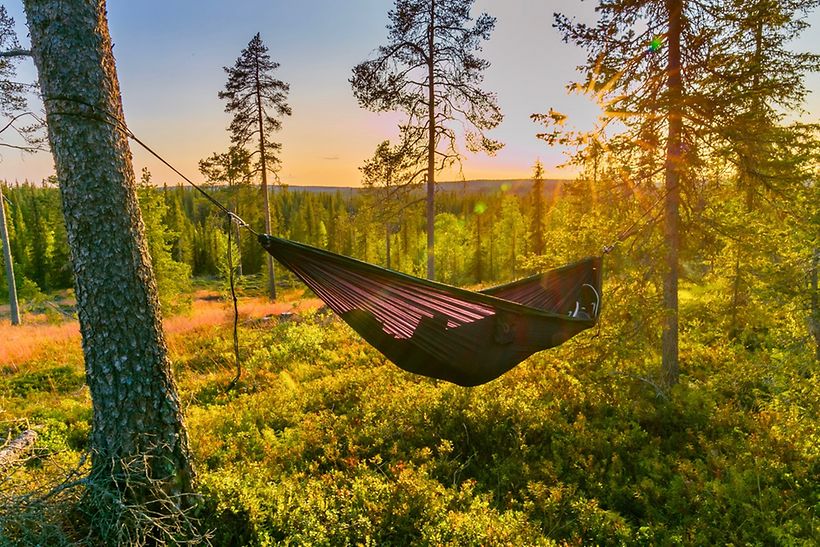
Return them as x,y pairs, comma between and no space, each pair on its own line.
138,433
387,244
431,146
238,236
479,266
750,156
266,198
814,320
4,235
669,364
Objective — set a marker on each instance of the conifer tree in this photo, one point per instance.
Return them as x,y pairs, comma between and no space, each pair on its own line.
773,160
138,443
538,208
635,67
690,84
9,264
234,168
12,102
430,71
258,102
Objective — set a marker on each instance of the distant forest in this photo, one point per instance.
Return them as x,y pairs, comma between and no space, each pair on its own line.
487,230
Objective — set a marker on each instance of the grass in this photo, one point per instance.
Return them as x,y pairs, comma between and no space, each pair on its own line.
326,443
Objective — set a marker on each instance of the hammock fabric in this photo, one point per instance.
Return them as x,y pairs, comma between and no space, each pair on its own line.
440,331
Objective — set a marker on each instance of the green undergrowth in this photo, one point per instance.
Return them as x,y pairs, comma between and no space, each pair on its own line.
325,443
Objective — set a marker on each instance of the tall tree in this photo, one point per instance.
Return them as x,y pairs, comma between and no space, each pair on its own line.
773,159
7,260
234,168
430,70
538,210
688,82
139,443
635,69
258,102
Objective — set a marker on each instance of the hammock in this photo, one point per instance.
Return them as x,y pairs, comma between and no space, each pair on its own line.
444,332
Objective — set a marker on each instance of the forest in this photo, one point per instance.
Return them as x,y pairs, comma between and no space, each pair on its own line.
166,381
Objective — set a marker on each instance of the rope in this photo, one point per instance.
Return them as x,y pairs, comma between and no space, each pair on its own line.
238,361
119,124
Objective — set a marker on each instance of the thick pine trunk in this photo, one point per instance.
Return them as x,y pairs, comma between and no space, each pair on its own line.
669,349
431,147
137,423
4,236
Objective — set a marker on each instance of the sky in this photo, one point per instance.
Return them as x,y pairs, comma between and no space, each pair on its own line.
170,57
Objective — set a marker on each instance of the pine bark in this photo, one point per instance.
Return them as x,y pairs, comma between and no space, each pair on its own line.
669,343
4,236
136,411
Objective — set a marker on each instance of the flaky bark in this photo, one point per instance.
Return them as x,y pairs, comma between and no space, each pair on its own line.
137,418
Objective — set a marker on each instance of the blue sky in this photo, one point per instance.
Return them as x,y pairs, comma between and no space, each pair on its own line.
170,56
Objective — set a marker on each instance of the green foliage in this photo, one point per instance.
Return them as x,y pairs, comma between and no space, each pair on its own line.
323,442
173,278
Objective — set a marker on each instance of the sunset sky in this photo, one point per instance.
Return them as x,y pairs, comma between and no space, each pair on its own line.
170,57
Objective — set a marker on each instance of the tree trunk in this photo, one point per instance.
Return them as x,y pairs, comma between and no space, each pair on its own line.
814,320
387,244
431,147
238,236
479,266
749,159
266,198
4,235
669,363
138,434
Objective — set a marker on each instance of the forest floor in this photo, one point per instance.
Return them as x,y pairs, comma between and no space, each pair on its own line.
325,443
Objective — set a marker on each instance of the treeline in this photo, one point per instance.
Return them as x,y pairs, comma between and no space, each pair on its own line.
752,274
484,237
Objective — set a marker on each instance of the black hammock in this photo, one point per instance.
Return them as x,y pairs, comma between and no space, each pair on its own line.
437,330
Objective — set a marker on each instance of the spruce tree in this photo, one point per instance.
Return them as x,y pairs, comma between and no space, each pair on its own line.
258,102
538,208
430,70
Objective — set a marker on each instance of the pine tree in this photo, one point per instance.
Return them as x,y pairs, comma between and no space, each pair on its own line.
138,443
429,70
635,67
257,101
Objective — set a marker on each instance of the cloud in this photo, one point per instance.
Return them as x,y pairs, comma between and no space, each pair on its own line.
330,158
